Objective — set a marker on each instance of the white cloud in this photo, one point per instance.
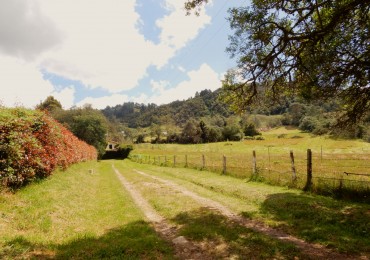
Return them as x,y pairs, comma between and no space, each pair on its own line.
177,30
102,102
91,41
65,96
113,100
103,47
25,31
22,83
203,78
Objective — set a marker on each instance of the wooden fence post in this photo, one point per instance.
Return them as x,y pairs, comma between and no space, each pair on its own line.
309,171
203,162
268,150
294,175
254,163
224,165
186,160
174,161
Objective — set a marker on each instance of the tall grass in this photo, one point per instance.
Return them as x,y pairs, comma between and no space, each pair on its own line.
80,213
340,167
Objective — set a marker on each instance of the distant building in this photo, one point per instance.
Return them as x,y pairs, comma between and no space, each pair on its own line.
111,146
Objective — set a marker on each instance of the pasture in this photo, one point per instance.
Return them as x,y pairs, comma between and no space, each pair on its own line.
336,164
85,212
80,213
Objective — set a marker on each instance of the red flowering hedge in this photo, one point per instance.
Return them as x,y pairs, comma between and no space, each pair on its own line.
33,145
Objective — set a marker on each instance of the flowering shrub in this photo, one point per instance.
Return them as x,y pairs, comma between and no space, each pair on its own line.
33,145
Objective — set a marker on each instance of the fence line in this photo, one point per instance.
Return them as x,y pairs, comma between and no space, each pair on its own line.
304,171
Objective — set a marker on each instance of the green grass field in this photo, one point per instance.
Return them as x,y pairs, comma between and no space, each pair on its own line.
333,223
85,212
331,158
80,213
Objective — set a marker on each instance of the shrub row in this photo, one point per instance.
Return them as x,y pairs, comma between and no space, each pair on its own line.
121,152
33,145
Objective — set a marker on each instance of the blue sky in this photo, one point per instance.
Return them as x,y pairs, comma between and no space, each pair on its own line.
109,52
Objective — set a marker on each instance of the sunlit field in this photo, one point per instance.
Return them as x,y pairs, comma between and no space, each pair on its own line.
335,162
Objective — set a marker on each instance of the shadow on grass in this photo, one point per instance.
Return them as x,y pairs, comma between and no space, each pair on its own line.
333,223
136,240
223,238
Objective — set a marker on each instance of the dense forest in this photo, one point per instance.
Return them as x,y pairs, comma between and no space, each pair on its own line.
204,118
200,119
134,115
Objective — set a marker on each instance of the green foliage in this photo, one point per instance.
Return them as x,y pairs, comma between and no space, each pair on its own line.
88,124
309,124
50,104
146,123
91,129
122,152
191,133
204,104
314,49
140,139
214,134
232,132
156,131
250,130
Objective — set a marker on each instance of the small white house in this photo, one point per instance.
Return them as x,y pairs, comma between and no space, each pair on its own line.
111,146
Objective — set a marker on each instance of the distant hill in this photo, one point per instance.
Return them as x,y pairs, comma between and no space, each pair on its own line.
135,115
205,108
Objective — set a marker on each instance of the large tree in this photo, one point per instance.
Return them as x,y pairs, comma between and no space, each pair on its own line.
50,104
317,49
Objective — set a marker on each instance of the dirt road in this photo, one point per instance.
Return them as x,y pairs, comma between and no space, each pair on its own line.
186,249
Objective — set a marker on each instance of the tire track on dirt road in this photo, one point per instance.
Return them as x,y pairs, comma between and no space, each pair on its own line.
184,249
315,251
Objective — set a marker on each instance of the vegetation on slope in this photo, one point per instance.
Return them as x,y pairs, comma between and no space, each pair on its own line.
204,118
33,145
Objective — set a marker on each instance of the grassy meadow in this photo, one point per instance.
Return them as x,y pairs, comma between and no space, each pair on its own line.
84,212
80,213
337,224
331,159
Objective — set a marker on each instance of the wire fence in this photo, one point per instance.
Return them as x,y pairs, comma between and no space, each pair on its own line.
317,171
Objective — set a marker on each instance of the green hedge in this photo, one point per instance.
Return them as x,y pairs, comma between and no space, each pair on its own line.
33,145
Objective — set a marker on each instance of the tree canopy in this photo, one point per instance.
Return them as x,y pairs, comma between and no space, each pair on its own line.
88,124
315,49
50,104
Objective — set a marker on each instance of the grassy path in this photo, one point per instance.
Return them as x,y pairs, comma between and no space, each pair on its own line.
85,213
184,249
312,250
210,234
82,213
337,225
